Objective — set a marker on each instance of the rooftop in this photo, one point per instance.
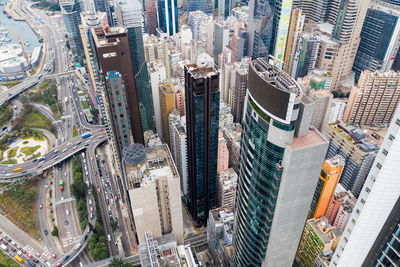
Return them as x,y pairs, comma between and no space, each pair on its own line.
158,162
364,139
200,71
324,230
275,76
313,138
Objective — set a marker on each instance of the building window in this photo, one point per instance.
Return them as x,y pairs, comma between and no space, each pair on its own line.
367,190
379,166
391,137
398,122
384,152
362,201
357,211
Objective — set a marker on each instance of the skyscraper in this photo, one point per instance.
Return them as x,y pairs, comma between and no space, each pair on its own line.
221,40
108,45
279,156
203,5
224,7
130,16
70,10
261,29
168,16
371,236
167,105
202,119
293,44
379,39
151,17
319,10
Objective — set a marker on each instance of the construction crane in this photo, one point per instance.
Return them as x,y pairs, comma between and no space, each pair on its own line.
22,46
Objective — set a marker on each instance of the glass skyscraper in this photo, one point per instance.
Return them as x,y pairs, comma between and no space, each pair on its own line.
202,97
203,5
280,160
70,11
268,27
379,39
131,18
168,16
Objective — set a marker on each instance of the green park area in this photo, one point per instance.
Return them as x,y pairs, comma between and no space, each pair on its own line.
19,205
47,94
7,261
28,144
30,117
10,84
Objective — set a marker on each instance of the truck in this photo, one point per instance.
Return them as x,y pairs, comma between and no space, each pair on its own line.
18,258
86,135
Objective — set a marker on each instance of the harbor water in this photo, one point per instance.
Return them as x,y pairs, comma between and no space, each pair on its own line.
20,28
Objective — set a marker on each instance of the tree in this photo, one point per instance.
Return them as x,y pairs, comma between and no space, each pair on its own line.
95,112
78,189
117,262
114,225
55,231
67,44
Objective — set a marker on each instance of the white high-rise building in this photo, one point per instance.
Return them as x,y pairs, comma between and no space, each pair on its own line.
374,206
157,75
336,111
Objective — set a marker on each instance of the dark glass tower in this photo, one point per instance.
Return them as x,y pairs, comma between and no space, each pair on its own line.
379,39
131,18
168,16
203,5
202,116
70,9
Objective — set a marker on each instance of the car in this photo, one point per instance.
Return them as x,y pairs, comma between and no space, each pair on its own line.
1,239
91,209
23,250
46,232
41,206
5,242
39,166
12,254
29,255
53,255
88,191
90,203
35,260
66,223
116,198
65,174
37,254
74,147
13,250
99,189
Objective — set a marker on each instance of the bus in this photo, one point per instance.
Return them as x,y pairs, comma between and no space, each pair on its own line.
18,258
61,185
17,170
86,135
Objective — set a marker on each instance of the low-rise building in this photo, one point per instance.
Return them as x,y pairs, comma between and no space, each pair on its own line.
219,235
318,237
233,136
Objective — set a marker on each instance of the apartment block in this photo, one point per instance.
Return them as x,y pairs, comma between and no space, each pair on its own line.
336,111
318,237
344,198
223,154
156,50
178,139
227,183
358,147
167,105
374,99
233,137
157,74
154,191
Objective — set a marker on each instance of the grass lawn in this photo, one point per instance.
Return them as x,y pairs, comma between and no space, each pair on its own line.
34,156
12,152
74,132
10,161
19,205
10,84
7,261
85,105
29,150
